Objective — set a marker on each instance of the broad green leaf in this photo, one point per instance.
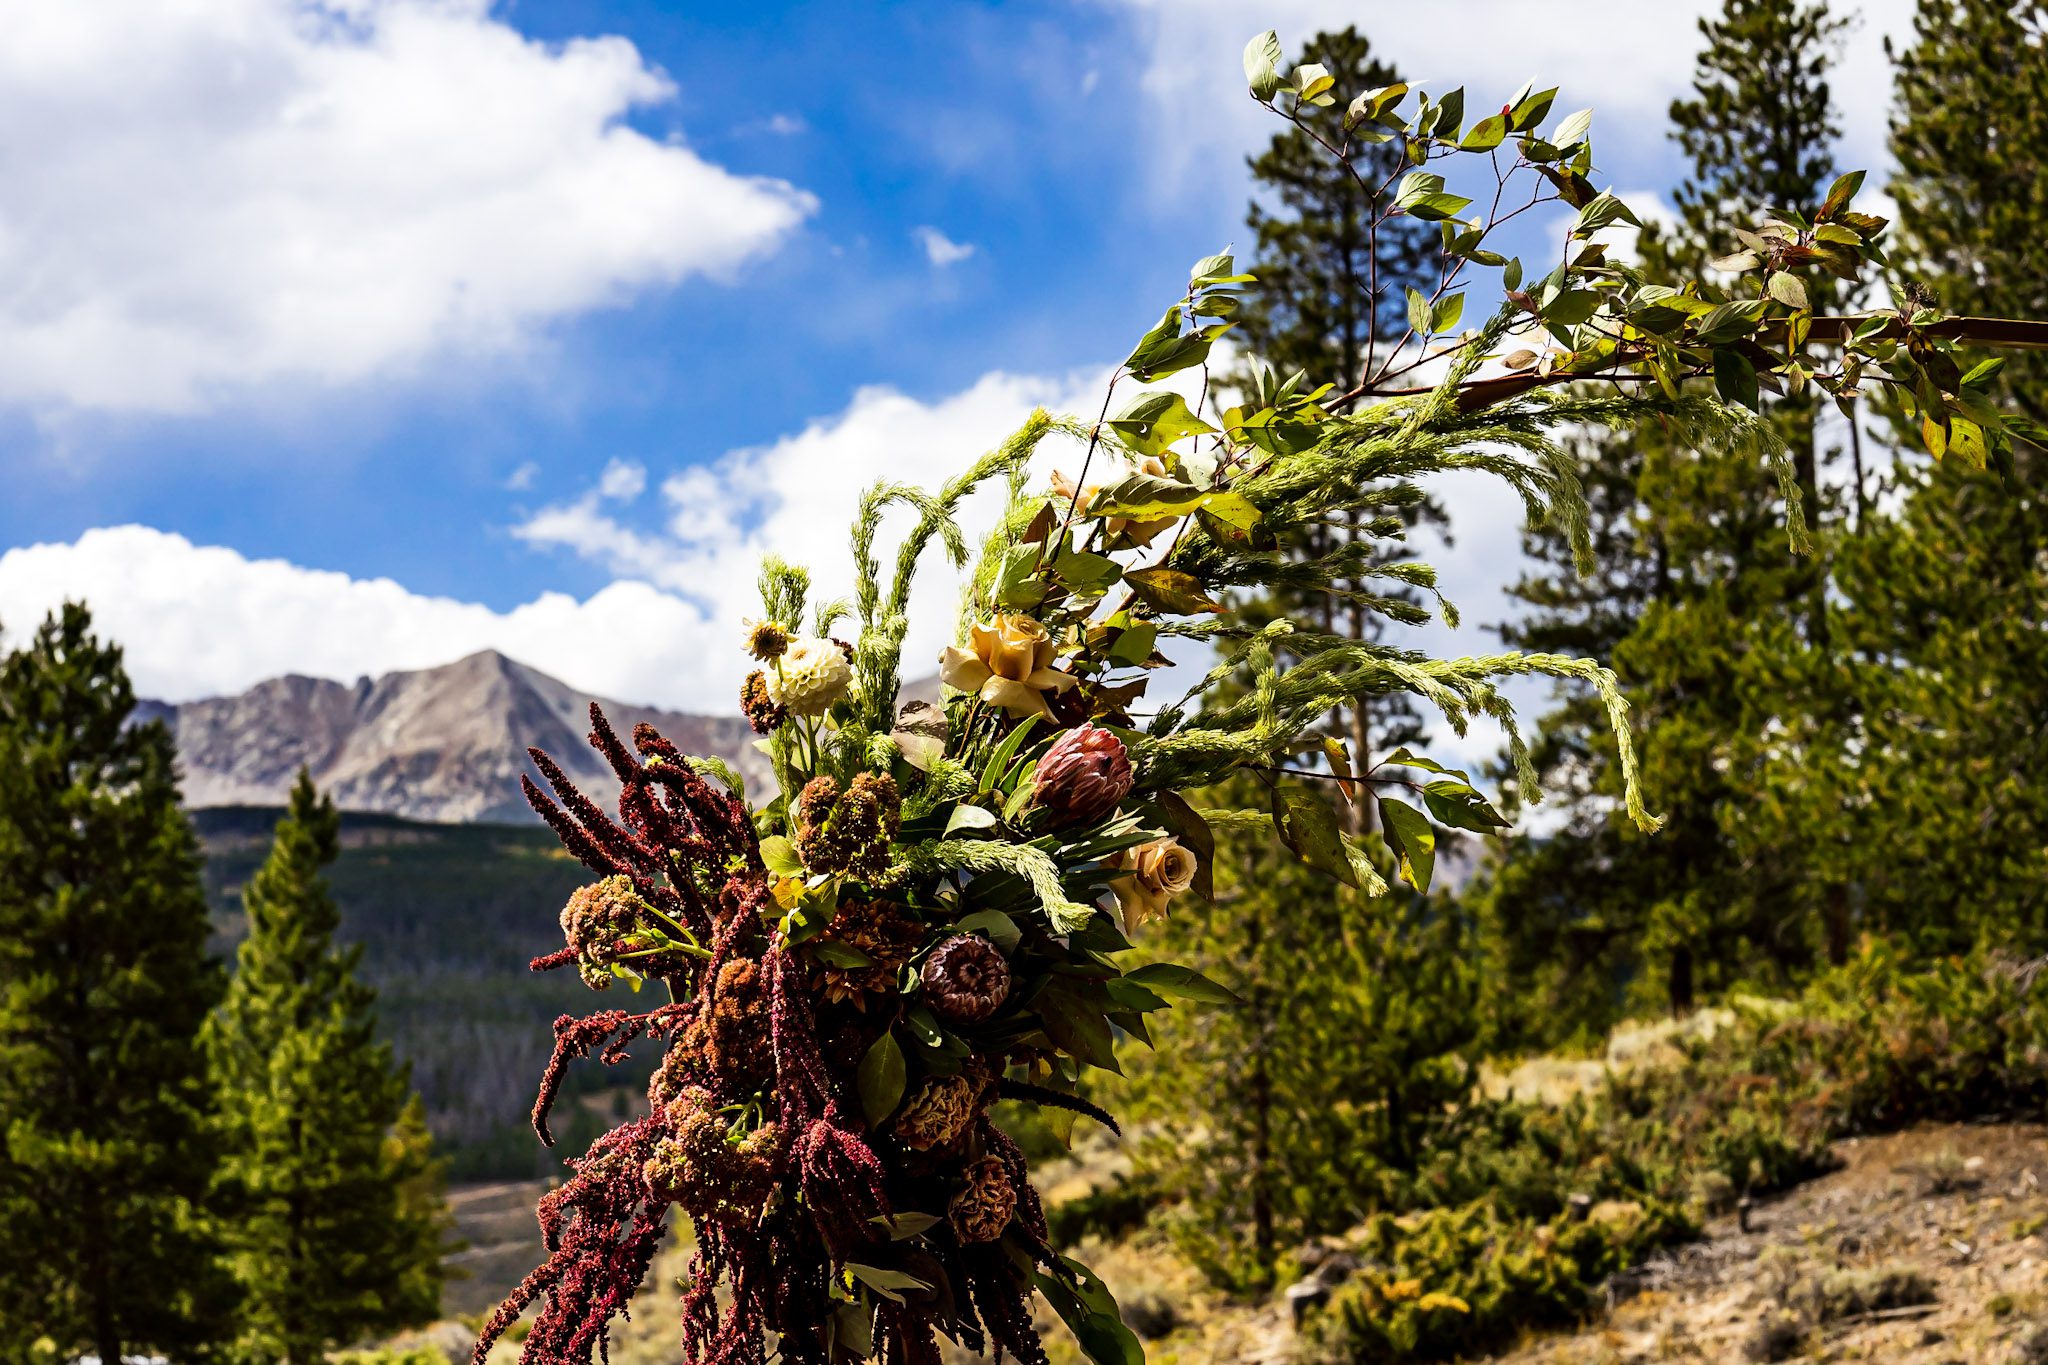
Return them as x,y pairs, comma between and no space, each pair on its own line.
1604,211
1182,983
1726,322
1401,758
835,954
1409,834
1983,370
881,1079
1154,420
1171,590
1840,193
1312,83
1445,315
1435,208
993,925
1735,377
1571,307
779,856
1418,311
902,1225
1079,1027
1574,128
1101,1335
1089,575
1373,104
1486,134
1134,644
1788,289
969,817
1307,824
1531,110
888,1283
1262,58
1458,805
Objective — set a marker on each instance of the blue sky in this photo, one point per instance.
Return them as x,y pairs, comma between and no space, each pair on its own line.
552,314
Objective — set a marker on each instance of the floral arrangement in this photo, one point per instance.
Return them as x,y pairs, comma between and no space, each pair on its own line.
934,911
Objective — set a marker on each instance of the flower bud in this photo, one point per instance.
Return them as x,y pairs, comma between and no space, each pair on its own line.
1083,776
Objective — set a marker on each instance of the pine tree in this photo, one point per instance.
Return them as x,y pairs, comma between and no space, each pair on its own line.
1947,599
1311,1104
1709,620
106,1148
1308,1105
1331,303
337,1229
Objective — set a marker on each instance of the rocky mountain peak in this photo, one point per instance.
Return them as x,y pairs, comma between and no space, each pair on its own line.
444,744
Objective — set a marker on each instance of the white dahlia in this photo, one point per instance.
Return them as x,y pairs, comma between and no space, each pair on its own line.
810,676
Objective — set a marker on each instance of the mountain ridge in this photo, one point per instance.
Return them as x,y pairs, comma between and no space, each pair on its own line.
444,744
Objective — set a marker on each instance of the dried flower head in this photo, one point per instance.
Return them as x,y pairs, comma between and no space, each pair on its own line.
706,1169
1083,776
939,1111
885,934
848,831
766,640
810,676
1154,874
987,1202
965,979
760,709
731,1036
601,923
1008,663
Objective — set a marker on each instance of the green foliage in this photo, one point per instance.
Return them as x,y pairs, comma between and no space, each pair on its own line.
1712,627
106,1154
1869,1046
1306,1107
329,1190
1457,1282
446,917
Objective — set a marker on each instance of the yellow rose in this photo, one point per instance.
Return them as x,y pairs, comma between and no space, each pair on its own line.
1009,665
1154,874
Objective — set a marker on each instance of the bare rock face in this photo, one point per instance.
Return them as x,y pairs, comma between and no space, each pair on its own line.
444,744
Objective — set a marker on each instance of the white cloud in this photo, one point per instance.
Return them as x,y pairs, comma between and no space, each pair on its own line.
213,194
621,481
940,249
1627,58
521,479
206,620
797,498
201,621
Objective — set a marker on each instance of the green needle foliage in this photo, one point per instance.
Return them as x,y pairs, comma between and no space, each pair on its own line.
335,1230
1710,621
1939,816
106,1148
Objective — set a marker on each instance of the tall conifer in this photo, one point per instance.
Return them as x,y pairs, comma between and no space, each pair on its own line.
1708,617
106,1145
330,1237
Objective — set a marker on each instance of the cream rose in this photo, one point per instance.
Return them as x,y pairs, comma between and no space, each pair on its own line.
1009,665
1154,874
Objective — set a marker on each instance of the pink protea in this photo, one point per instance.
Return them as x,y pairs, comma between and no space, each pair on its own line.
1083,776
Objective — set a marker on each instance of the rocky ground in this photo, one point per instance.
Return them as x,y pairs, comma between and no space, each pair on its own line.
1928,1247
